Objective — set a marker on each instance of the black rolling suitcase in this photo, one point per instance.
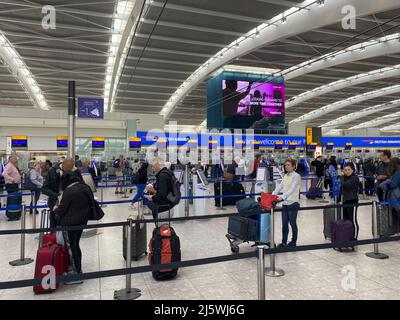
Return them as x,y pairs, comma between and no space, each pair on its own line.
138,241
330,215
14,214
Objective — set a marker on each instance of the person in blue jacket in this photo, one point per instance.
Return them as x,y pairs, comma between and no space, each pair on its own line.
394,173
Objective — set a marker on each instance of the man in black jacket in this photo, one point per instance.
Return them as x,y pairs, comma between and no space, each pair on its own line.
319,165
157,200
51,188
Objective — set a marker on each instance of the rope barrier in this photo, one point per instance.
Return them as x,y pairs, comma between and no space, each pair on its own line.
199,217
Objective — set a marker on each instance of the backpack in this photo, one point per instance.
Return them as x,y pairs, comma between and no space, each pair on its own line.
116,163
174,197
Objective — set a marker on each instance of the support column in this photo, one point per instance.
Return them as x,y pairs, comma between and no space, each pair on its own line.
71,119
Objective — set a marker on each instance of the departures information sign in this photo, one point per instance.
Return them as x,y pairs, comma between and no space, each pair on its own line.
90,108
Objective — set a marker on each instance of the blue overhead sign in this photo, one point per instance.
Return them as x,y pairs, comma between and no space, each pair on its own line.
150,138
90,108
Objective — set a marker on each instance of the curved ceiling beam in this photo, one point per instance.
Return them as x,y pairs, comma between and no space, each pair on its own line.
309,15
348,102
374,75
126,16
377,122
394,127
21,72
365,50
359,114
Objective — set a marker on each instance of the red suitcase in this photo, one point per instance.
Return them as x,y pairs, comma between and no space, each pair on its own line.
50,254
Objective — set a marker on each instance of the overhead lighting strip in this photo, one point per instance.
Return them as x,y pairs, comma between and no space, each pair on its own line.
373,75
122,12
377,122
347,102
359,114
17,67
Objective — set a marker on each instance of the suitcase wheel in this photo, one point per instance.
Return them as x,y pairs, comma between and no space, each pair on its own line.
235,249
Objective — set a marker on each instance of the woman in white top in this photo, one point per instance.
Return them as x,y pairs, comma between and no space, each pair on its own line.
37,180
289,192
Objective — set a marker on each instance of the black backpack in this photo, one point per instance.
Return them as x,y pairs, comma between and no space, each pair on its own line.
174,197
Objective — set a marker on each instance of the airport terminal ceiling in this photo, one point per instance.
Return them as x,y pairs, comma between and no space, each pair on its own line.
170,42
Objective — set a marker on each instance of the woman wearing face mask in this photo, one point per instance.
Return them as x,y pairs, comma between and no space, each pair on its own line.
350,184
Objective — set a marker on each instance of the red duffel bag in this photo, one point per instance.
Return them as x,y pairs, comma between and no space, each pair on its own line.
267,200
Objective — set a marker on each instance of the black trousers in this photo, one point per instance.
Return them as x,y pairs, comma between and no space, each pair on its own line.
350,213
11,187
51,202
35,199
74,238
157,208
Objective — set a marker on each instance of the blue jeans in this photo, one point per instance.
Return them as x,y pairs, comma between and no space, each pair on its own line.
140,193
289,215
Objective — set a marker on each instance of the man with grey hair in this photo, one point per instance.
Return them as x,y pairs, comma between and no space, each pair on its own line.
157,200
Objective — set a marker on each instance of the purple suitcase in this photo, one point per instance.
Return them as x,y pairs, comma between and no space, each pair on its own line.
342,231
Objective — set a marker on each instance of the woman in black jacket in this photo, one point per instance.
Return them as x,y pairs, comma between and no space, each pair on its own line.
74,210
350,185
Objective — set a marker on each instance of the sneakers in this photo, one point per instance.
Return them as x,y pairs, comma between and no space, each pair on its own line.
282,245
292,244
73,282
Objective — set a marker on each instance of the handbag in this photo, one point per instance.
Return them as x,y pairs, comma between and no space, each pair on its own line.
96,213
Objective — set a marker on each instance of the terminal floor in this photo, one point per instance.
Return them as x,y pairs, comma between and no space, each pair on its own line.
309,275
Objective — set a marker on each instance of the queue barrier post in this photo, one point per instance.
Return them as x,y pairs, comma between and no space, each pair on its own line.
375,254
261,272
186,179
22,261
324,194
128,293
221,206
272,271
102,198
125,182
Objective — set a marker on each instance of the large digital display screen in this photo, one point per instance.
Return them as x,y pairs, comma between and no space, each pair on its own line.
242,98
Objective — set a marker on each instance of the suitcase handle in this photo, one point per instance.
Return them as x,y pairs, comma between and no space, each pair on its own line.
169,213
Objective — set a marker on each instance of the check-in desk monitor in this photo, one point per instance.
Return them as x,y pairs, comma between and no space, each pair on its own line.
261,174
202,177
87,178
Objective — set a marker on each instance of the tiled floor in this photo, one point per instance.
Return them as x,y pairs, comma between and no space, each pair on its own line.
308,275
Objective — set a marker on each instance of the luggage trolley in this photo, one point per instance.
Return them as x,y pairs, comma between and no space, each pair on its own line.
250,226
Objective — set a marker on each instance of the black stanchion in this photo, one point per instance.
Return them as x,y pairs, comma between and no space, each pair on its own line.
128,293
22,261
375,254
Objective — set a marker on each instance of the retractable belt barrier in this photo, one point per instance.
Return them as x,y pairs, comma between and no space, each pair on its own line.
12,195
132,293
201,217
191,263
